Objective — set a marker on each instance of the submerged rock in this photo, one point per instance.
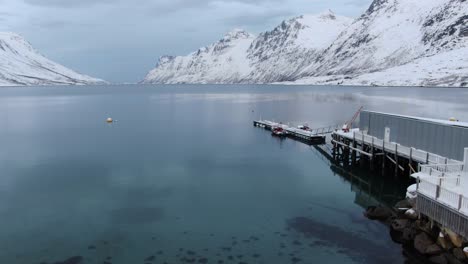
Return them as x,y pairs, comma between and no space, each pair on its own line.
433,249
456,239
150,258
400,224
411,214
459,254
334,236
438,260
72,260
403,204
378,213
421,242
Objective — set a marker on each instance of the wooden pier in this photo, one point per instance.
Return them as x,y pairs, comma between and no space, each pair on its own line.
441,187
312,136
356,145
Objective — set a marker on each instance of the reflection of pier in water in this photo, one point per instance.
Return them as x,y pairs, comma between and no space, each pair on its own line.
371,188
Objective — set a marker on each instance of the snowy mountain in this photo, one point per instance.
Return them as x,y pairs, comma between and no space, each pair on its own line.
280,54
20,64
427,38
395,42
240,57
222,62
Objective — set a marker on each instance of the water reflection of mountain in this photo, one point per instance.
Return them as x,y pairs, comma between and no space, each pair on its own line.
371,188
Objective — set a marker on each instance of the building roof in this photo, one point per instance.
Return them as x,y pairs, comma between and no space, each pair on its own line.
429,120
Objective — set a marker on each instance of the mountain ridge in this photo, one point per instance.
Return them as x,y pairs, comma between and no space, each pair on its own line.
389,35
22,65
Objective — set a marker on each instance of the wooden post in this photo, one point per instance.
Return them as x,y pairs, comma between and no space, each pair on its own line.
427,158
362,143
371,159
333,146
384,155
353,153
396,159
460,200
410,162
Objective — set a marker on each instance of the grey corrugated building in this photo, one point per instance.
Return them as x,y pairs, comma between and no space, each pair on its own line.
445,138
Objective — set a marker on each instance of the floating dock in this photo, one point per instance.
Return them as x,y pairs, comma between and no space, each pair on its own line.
312,136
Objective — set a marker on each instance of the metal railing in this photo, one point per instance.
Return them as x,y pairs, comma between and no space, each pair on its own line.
412,153
324,130
441,190
442,170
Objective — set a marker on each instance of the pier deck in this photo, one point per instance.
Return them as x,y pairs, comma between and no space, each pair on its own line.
442,194
442,183
420,156
441,178
316,135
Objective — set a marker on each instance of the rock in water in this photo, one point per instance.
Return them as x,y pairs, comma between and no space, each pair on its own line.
72,260
438,260
400,224
456,239
459,254
444,242
411,214
433,249
421,242
378,213
451,259
403,204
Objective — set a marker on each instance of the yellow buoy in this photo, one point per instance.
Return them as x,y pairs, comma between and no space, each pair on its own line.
109,120
453,119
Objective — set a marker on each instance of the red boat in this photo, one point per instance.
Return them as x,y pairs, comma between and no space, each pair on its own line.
278,131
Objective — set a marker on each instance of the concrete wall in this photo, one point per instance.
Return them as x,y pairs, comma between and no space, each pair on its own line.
445,140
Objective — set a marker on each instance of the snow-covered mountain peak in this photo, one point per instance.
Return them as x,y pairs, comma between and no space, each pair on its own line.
13,42
164,59
223,60
328,14
314,31
237,34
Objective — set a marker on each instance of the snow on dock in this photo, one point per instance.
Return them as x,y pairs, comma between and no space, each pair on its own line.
429,150
420,156
316,135
441,189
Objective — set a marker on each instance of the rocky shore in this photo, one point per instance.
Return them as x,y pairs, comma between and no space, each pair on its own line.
422,240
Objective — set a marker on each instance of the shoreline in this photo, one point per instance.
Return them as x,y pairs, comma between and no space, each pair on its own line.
421,238
236,84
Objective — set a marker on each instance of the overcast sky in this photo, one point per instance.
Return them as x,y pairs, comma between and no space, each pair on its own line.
120,40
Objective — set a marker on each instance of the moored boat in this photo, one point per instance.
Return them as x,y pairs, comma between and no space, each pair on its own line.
278,131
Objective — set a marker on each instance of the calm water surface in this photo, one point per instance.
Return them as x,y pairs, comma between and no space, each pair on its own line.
183,176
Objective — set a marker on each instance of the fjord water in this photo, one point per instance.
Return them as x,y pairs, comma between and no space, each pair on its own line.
184,176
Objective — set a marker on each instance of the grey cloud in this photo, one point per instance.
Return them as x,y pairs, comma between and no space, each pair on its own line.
7,14
58,24
253,20
67,4
152,5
